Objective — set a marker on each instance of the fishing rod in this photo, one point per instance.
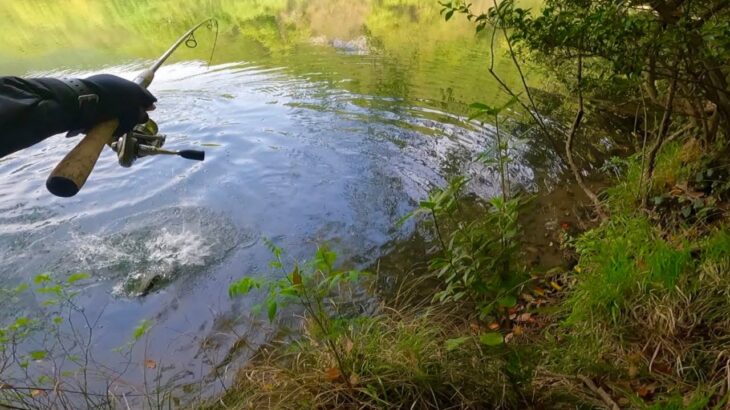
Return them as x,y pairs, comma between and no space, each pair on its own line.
72,172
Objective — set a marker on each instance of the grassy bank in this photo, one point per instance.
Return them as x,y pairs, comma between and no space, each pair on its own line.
642,320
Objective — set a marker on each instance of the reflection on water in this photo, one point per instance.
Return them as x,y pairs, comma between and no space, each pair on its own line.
323,121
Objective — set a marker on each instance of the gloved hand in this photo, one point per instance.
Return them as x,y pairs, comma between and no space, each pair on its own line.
121,99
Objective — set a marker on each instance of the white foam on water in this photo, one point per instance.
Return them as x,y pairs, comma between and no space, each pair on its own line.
96,252
168,244
184,248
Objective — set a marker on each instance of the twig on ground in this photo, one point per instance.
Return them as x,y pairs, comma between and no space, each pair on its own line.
600,392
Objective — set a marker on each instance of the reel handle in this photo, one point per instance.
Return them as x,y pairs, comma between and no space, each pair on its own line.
71,173
192,154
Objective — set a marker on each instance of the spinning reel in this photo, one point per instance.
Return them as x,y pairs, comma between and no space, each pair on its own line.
144,141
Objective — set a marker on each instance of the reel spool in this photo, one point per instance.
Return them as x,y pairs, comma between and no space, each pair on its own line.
144,141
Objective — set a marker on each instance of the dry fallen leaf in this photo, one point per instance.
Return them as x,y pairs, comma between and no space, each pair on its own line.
525,317
333,374
494,326
348,346
150,364
36,392
354,380
296,277
556,286
645,390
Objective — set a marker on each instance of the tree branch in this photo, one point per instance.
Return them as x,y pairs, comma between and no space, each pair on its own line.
569,148
659,141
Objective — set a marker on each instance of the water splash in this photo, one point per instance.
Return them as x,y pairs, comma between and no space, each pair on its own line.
184,248
158,247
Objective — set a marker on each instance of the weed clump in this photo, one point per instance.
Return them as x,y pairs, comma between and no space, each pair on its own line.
397,359
648,314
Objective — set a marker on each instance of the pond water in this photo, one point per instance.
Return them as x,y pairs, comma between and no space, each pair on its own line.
322,121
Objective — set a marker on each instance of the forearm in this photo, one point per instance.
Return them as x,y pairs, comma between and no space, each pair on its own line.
42,121
33,110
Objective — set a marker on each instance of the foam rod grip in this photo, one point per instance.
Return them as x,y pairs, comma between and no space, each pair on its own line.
72,172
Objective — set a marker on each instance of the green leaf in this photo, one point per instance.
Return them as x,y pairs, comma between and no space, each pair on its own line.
21,288
141,329
510,103
333,281
77,277
406,217
453,344
271,307
354,275
290,291
427,204
325,259
38,355
50,289
507,301
243,286
42,278
491,339
484,108
449,14
476,115
480,106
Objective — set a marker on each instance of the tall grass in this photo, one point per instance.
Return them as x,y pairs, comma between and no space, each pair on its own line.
400,359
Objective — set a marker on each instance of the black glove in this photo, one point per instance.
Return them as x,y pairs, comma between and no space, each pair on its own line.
121,99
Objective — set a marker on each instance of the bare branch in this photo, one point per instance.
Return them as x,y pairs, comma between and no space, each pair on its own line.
569,148
659,141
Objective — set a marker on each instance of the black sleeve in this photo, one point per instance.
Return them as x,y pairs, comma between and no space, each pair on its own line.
32,110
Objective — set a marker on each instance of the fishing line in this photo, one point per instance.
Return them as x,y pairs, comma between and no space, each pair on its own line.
192,42
211,24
